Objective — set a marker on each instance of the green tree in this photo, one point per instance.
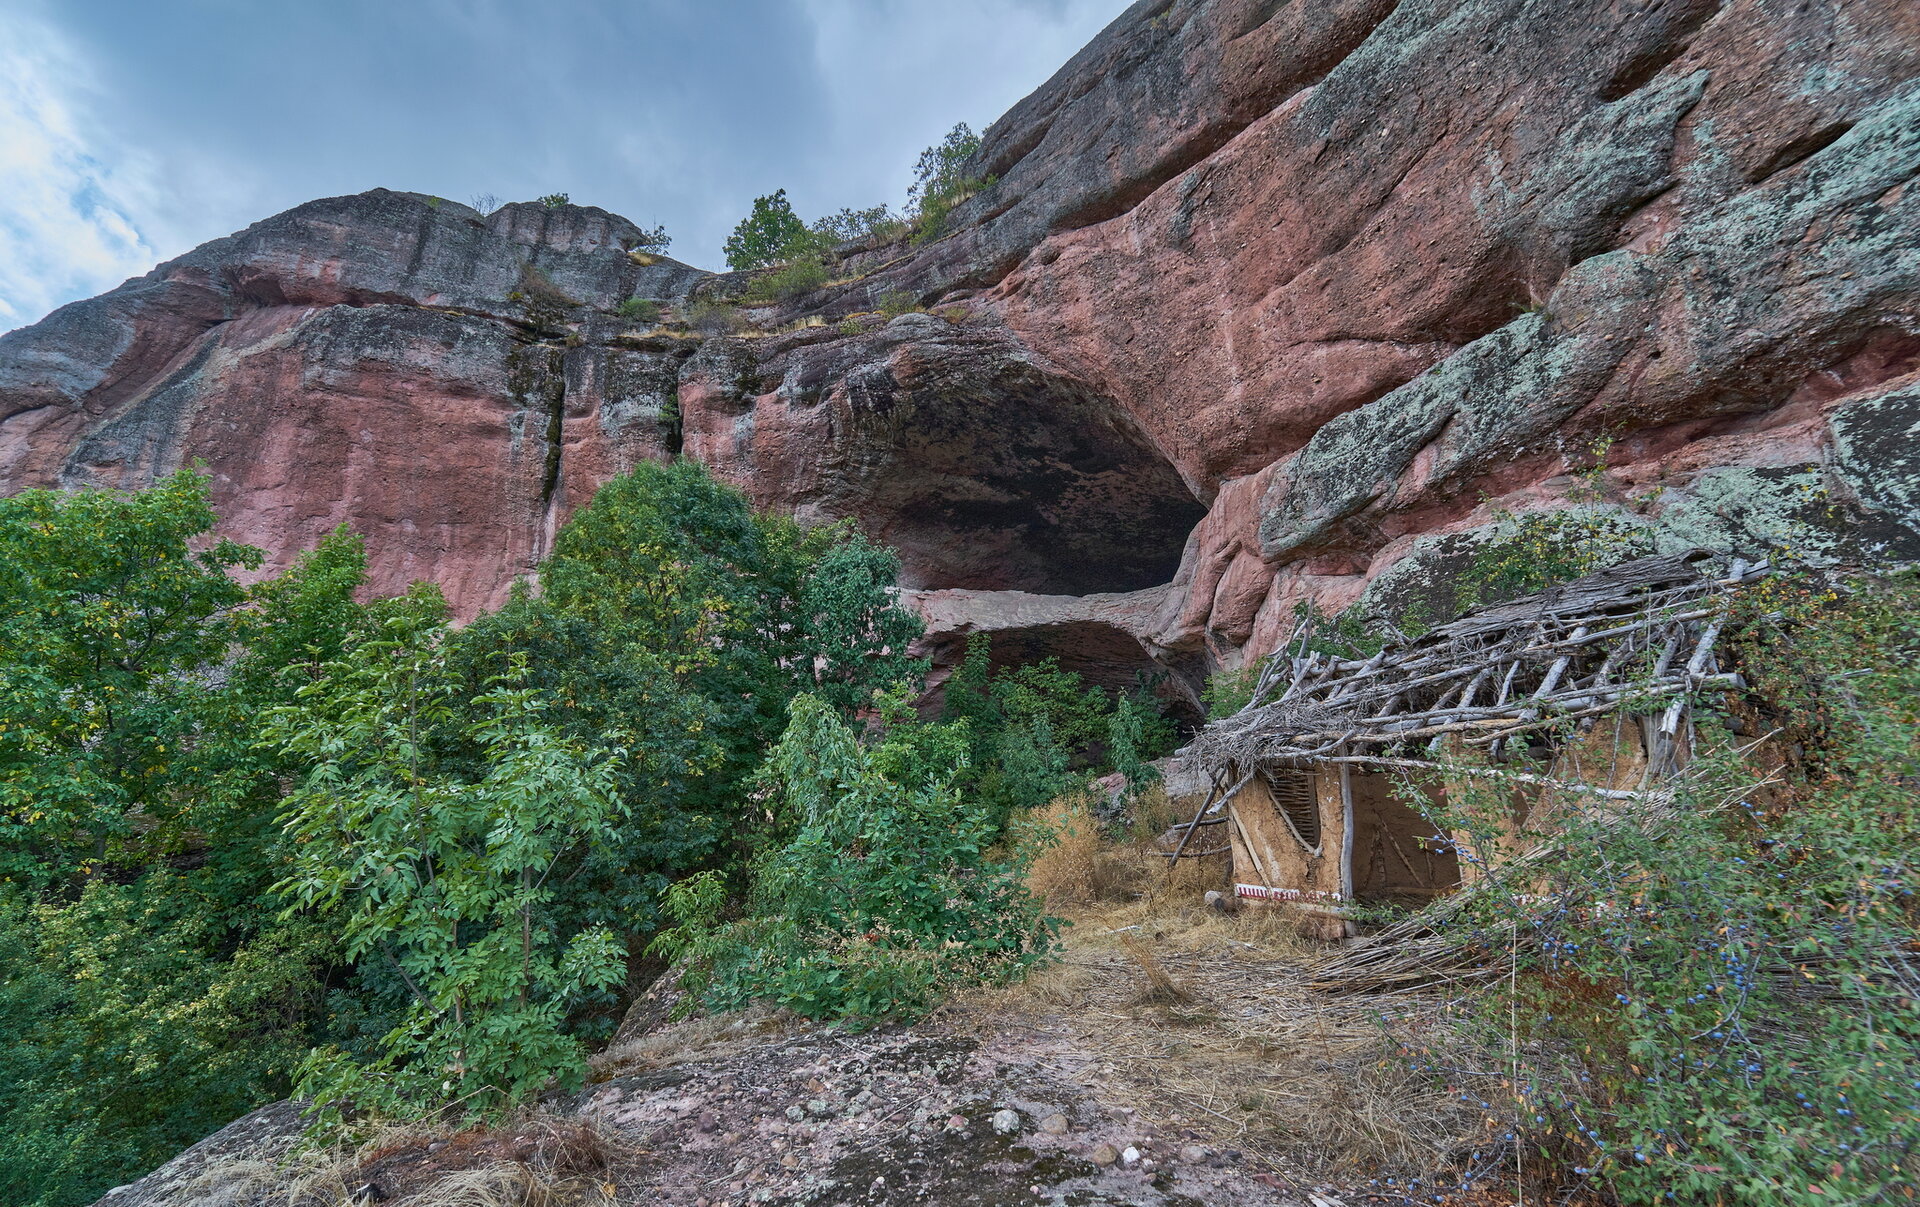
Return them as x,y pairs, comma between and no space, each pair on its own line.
1039,730
446,872
110,628
851,224
856,629
772,232
941,170
136,1019
671,612
941,181
146,996
883,898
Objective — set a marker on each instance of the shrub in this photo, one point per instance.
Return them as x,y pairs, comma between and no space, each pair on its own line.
554,201
1535,550
856,630
650,239
850,225
802,275
1037,731
941,181
881,901
941,171
715,318
896,302
146,995
1709,1003
443,867
1066,859
644,310
1229,691
135,1021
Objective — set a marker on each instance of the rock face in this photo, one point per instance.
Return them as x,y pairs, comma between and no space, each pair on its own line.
1267,303
388,361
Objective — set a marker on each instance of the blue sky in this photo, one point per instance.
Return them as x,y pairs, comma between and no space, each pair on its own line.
131,130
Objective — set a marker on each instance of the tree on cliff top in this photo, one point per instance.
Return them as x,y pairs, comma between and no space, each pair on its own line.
768,235
940,173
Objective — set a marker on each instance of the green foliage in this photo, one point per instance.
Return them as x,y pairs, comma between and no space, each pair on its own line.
883,898
444,870
896,302
653,238
554,201
1137,731
1538,549
941,181
851,225
714,318
110,626
1532,551
1229,691
673,614
855,628
1037,730
1349,633
644,310
772,232
800,275
1711,1003
135,1019
266,837
147,995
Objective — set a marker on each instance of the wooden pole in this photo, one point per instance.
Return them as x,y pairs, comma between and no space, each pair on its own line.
1346,832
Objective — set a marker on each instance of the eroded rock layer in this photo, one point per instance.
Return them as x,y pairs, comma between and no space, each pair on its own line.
1266,303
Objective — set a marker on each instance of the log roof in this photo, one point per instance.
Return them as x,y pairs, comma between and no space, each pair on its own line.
1640,633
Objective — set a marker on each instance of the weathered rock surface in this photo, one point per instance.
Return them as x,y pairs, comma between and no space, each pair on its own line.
1265,302
770,1111
982,464
265,1135
387,361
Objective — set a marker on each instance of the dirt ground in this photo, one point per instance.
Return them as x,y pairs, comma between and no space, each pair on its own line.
1172,1057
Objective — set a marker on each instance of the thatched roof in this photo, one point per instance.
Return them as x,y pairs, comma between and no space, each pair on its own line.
1641,632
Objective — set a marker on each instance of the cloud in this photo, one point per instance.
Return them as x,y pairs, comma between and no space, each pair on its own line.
68,224
139,129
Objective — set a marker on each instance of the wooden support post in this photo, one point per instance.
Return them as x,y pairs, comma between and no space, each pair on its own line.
1346,832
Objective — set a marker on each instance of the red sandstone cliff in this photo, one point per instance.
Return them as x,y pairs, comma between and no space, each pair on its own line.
1268,303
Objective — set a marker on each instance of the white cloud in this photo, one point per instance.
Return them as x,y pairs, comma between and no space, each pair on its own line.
121,147
69,226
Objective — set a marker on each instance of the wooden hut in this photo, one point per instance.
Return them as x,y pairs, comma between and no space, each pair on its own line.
1310,778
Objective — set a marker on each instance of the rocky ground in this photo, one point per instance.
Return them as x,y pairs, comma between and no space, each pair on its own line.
1169,1059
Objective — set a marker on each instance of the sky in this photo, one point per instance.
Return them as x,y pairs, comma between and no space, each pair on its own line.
133,130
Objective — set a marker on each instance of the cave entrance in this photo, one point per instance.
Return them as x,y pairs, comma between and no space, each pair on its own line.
990,473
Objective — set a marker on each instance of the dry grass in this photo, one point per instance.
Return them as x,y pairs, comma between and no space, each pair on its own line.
536,1160
1162,989
1206,1019
701,1038
1071,863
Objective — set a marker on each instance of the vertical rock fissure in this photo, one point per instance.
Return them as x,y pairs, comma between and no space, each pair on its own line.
554,395
537,379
